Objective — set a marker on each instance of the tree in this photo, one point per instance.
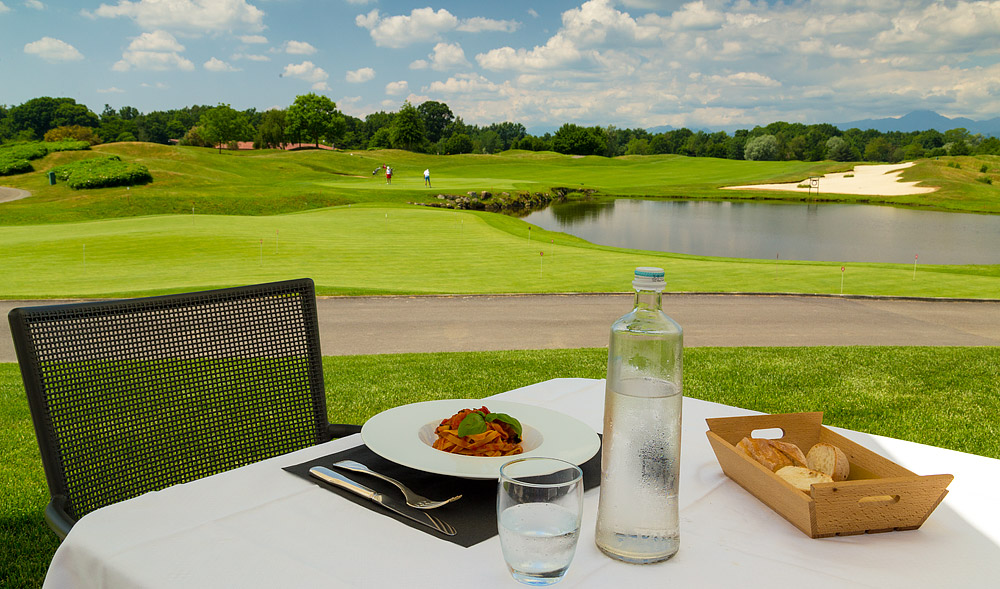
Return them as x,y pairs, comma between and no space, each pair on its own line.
989,146
223,124
838,150
271,133
38,115
382,139
312,117
490,141
458,143
436,117
577,140
878,150
73,133
152,127
509,133
761,148
407,130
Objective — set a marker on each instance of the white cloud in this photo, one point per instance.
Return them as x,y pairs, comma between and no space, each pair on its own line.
478,24
202,16
419,64
253,39
696,16
251,56
34,4
393,88
111,90
422,24
464,84
943,27
299,48
217,65
558,51
158,50
309,72
4,8
53,50
447,56
360,75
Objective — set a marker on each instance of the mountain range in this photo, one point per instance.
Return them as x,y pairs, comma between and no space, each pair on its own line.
918,120
922,120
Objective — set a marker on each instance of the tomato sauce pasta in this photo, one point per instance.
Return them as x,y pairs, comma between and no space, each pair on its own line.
499,438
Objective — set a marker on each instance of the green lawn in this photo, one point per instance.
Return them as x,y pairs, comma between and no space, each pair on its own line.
266,182
372,249
940,396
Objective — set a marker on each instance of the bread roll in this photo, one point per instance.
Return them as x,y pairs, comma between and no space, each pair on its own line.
803,478
790,450
829,459
773,454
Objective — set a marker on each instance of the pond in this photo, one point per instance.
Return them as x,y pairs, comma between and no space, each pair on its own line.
787,231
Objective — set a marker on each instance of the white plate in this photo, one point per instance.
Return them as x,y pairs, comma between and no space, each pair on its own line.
404,435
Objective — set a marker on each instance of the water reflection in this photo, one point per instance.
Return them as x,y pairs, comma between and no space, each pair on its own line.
789,231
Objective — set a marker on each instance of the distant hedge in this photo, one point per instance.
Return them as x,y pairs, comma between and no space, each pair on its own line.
102,172
15,158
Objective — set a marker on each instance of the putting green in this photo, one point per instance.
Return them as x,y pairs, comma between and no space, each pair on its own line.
370,249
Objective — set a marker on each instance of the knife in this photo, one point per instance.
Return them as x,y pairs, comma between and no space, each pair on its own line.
338,480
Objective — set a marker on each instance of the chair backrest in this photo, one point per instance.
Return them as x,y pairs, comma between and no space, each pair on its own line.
130,396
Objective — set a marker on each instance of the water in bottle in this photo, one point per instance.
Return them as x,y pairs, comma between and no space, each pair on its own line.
637,518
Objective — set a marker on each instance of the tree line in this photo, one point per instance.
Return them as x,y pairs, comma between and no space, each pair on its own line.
432,127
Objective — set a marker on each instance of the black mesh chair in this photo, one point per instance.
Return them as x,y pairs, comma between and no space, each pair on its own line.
135,395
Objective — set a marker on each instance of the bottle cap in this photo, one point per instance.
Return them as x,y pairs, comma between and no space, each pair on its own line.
648,278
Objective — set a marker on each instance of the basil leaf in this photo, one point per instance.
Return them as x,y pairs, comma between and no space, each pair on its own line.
472,424
515,424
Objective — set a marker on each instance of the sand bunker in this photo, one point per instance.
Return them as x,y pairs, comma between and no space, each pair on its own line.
882,180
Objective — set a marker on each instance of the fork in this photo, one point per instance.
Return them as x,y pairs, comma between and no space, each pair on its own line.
412,499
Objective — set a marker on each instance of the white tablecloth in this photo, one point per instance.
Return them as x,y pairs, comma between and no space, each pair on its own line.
259,526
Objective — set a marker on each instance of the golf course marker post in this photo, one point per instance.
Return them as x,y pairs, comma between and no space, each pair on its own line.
842,268
541,256
915,256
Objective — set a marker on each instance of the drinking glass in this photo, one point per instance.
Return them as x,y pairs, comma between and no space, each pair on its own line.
539,506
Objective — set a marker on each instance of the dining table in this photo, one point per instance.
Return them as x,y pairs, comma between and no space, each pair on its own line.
261,525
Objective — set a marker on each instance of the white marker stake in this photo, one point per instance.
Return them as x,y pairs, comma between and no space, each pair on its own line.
541,256
915,256
842,280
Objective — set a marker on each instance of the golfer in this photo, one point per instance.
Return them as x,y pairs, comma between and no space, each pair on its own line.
427,177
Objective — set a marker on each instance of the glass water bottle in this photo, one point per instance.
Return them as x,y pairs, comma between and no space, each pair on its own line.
637,517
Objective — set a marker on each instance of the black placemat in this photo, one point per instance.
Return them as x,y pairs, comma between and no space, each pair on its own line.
474,516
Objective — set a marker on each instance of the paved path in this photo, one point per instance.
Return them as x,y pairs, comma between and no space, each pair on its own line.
371,325
8,194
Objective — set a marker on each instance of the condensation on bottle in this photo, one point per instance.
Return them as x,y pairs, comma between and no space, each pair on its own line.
637,518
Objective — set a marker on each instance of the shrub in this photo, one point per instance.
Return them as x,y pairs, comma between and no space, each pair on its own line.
11,166
102,172
72,132
985,179
15,158
983,169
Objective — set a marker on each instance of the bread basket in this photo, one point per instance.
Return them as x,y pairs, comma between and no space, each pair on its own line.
878,496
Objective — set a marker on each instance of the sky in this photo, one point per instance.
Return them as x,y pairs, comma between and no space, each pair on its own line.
542,63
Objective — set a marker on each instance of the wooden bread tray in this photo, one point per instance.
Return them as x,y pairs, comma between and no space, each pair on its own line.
878,495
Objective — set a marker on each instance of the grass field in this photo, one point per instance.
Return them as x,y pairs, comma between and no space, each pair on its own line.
940,396
372,249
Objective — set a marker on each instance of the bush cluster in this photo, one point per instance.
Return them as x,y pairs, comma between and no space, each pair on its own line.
102,172
15,158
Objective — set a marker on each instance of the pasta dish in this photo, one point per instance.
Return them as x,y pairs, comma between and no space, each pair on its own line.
478,432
